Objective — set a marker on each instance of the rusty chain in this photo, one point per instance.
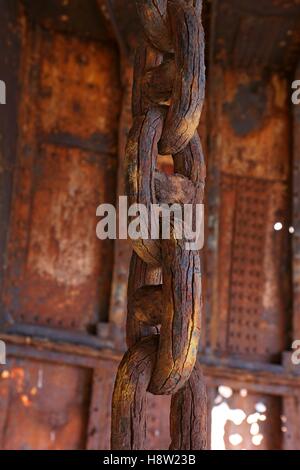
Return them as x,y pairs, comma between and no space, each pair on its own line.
164,289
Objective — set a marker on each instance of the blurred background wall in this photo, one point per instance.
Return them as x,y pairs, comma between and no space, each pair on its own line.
67,65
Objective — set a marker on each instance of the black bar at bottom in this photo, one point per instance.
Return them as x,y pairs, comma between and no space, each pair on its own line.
139,459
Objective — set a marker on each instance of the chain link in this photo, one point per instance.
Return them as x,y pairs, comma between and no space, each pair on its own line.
164,289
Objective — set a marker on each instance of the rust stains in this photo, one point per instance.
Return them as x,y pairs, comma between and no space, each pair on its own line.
247,110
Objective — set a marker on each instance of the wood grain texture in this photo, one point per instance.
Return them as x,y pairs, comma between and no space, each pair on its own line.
141,156
155,18
171,306
147,60
153,15
140,274
188,417
180,328
174,189
189,84
157,84
129,402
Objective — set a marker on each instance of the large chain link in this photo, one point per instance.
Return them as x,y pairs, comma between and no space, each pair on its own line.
165,278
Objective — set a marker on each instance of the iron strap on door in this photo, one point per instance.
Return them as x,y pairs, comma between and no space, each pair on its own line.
165,278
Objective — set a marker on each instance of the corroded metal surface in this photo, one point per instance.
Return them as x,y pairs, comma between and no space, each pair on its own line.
77,17
66,168
248,299
43,406
9,66
257,35
251,315
251,196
